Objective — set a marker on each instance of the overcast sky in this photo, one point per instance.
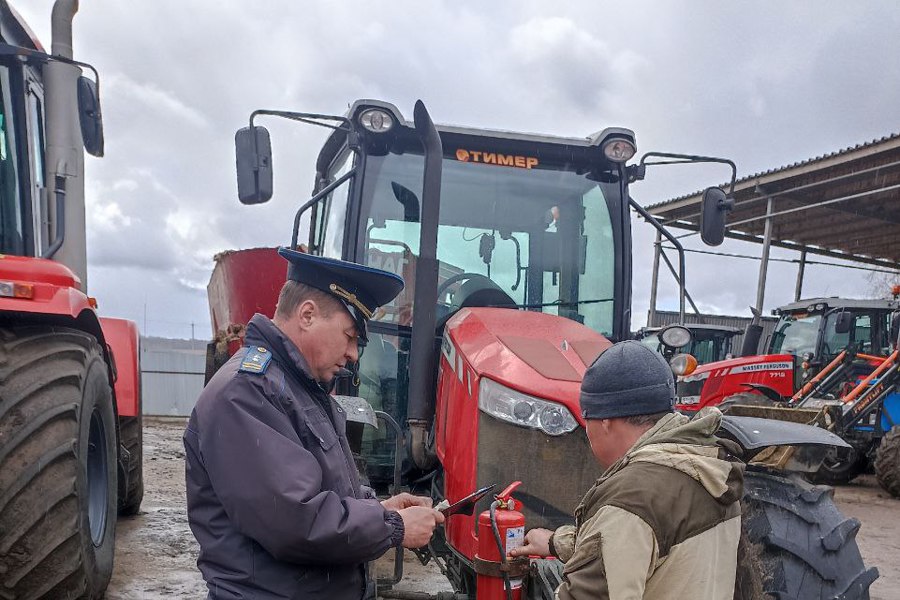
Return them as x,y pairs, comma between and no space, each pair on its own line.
763,83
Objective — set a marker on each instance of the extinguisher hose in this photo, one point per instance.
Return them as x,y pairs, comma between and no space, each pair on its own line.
500,548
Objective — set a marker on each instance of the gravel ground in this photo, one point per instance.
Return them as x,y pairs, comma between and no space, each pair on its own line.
156,552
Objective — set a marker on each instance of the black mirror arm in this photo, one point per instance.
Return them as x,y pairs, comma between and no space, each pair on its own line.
309,203
42,57
676,159
310,118
678,247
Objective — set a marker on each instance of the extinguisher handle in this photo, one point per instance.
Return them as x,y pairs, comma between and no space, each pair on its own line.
507,493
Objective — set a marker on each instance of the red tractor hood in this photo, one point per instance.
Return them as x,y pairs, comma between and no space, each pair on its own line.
537,354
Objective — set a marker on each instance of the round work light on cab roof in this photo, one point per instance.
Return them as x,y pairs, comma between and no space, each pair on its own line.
618,150
376,120
675,336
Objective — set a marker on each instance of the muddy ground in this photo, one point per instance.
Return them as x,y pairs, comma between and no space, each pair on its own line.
156,552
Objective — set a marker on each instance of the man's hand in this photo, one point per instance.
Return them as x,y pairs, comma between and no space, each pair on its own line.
418,525
537,543
404,500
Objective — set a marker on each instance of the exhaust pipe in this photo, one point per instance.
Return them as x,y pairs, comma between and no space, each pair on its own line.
421,364
752,333
65,154
61,28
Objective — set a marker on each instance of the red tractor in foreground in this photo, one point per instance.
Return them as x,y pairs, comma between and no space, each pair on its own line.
70,411
516,252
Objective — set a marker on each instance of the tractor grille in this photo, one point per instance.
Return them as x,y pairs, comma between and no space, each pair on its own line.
555,471
689,388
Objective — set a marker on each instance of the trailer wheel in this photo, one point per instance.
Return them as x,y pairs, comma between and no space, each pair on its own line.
57,465
887,462
804,547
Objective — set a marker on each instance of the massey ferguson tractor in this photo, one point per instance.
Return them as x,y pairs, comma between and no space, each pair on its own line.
829,361
70,411
516,252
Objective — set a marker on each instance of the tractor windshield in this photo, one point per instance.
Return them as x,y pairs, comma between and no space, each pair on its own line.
11,218
540,238
796,334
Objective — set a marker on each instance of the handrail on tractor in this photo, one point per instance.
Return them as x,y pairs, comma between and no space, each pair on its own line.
809,385
868,379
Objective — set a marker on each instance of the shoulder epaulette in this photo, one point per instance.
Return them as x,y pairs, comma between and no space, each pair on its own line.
256,360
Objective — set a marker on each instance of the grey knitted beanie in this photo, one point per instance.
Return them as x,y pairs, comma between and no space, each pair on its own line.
627,379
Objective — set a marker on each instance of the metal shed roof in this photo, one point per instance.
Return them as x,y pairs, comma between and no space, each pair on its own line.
845,205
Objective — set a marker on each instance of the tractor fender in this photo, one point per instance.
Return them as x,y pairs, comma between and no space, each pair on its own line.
754,435
123,343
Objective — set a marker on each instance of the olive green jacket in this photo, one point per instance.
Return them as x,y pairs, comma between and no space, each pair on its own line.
663,522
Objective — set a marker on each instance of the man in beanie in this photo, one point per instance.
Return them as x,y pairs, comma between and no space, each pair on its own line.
664,519
273,495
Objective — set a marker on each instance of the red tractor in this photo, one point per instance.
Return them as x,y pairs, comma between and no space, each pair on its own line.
70,410
820,353
516,251
808,336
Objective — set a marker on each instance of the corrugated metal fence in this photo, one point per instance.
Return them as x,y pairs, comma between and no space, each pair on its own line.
172,374
664,317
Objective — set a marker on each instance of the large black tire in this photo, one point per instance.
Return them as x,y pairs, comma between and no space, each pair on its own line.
803,546
887,462
131,489
841,465
57,465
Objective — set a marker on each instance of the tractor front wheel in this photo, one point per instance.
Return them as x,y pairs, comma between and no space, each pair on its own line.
57,465
887,462
798,543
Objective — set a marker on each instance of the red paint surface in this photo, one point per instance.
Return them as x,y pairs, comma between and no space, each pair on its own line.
123,339
56,289
243,283
722,383
475,335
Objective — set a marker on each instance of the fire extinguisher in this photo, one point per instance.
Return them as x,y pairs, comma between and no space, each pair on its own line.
500,529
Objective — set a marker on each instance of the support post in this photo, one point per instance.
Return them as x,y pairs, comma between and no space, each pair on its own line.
764,262
799,290
654,282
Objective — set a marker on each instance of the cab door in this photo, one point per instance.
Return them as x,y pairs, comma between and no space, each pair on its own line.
40,215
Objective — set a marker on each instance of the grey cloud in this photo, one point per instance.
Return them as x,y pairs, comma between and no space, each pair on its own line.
764,86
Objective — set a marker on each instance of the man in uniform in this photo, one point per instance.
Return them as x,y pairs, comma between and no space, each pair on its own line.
274,497
664,519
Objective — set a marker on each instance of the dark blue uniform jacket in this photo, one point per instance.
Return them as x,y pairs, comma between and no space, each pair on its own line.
272,490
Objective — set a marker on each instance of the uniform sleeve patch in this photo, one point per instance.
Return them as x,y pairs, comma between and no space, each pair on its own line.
256,360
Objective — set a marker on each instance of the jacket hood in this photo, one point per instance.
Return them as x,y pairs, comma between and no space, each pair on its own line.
689,446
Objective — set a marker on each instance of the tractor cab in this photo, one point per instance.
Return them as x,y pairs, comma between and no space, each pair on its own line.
709,343
817,330
527,223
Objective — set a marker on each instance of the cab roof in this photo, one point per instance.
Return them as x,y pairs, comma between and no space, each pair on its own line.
849,303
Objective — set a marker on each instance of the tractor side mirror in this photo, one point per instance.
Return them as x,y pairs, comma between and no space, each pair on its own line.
844,322
253,152
715,207
90,116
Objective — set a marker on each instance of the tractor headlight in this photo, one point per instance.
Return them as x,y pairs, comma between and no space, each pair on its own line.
523,410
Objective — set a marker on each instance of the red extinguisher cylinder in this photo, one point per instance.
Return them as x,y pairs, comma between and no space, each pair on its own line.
490,584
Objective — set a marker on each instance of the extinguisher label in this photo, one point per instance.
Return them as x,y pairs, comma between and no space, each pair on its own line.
515,538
